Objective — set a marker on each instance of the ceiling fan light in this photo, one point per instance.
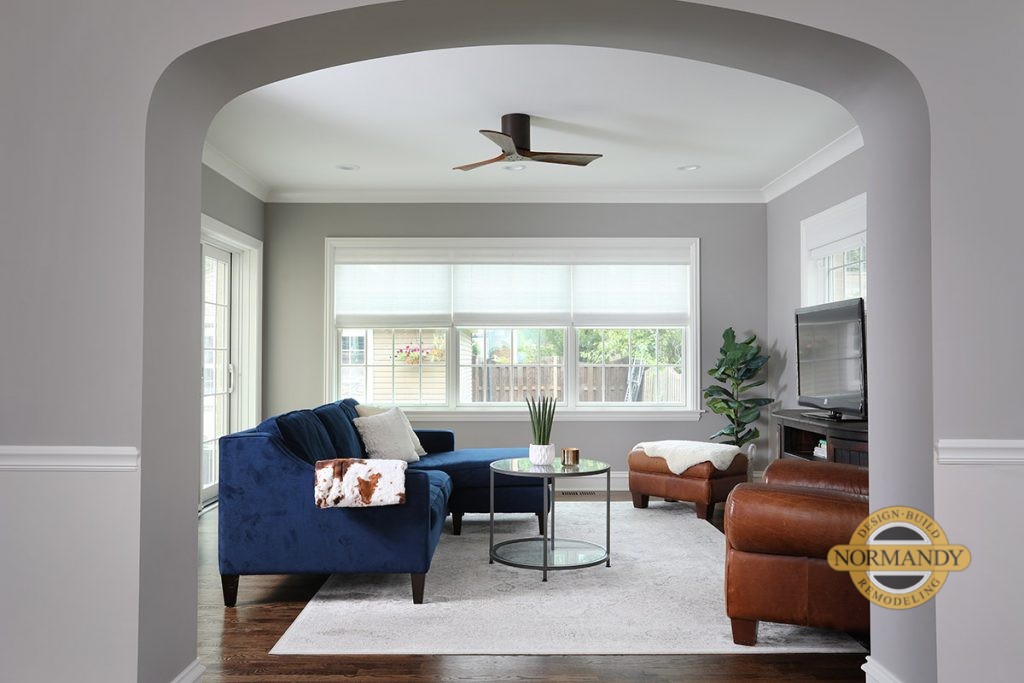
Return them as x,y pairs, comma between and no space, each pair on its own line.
515,167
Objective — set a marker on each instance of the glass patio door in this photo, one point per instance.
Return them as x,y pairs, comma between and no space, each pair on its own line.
218,373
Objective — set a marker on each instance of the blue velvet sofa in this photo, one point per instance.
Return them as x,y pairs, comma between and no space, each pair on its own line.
269,523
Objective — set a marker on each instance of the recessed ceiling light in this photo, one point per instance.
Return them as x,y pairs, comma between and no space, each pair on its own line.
347,167
515,167
691,167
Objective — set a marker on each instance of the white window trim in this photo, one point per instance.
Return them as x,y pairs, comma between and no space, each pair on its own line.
843,226
246,317
541,250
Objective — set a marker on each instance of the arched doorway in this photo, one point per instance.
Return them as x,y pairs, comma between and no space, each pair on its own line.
878,90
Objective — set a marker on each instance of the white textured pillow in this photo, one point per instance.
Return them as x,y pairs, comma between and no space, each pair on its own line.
366,411
386,436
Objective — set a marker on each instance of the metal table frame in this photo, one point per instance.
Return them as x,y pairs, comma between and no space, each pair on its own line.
549,473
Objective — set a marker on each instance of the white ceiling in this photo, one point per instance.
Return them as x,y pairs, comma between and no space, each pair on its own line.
406,120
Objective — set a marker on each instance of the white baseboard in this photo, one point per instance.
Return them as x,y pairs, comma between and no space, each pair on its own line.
192,673
979,452
876,673
69,458
597,482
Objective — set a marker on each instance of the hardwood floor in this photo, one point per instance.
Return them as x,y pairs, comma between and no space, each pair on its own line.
234,642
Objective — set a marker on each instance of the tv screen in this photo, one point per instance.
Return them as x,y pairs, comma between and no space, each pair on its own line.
831,365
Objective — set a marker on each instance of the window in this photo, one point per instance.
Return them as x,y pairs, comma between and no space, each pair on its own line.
842,275
231,334
834,249
481,323
630,365
505,365
404,366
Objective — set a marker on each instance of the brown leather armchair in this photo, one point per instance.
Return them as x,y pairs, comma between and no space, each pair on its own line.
778,535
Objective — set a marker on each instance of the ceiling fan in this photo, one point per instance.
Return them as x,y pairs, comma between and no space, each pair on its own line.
514,141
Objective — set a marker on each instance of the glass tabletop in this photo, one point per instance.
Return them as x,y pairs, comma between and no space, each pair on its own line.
522,467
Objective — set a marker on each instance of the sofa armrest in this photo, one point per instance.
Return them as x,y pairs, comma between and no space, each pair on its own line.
831,476
790,520
436,440
269,523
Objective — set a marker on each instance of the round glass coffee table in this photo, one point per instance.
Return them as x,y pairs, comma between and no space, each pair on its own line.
544,553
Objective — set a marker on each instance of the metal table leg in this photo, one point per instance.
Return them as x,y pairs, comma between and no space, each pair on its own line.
545,540
553,480
608,519
490,554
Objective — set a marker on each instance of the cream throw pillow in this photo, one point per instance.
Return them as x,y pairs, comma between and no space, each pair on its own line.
386,436
366,411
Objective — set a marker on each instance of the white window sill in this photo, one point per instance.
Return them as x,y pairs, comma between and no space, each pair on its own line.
578,415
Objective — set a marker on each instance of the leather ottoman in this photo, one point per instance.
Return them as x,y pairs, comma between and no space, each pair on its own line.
703,484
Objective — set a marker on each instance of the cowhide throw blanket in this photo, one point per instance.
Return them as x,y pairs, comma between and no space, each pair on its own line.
353,483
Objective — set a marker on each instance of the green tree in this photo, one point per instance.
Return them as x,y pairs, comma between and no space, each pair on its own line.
737,369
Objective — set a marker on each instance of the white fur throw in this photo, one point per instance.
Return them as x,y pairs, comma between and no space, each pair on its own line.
352,483
682,455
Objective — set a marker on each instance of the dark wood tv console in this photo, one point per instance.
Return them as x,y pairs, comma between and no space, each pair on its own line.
847,440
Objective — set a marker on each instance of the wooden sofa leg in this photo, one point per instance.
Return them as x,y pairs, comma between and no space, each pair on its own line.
229,582
640,500
744,631
540,523
418,581
457,523
705,511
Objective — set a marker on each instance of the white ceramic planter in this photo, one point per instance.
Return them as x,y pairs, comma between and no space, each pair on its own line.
542,454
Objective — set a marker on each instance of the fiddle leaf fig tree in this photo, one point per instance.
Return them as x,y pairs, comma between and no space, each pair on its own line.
737,369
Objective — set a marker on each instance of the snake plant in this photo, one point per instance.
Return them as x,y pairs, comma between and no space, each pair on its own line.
542,415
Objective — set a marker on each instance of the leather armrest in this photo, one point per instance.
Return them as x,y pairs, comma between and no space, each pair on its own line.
790,520
832,476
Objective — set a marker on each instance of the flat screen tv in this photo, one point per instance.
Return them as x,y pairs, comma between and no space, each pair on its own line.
831,362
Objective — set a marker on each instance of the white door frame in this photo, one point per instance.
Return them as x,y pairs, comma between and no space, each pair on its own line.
246,318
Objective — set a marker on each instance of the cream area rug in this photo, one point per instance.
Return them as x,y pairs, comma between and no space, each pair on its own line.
663,594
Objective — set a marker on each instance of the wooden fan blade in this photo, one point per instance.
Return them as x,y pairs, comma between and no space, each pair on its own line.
507,144
470,167
561,158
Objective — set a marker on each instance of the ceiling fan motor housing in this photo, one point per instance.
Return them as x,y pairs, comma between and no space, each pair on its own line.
517,127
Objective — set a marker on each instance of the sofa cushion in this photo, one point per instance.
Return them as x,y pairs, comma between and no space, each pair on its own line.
340,430
348,406
304,435
364,410
386,436
471,467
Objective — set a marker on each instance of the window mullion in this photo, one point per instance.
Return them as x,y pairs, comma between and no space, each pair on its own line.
569,367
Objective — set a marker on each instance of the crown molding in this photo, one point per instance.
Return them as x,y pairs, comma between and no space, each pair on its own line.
560,196
844,145
979,452
233,171
69,458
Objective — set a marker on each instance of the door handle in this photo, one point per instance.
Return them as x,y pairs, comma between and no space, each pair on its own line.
231,378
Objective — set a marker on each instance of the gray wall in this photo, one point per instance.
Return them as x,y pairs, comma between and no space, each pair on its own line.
837,183
965,56
230,204
732,270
